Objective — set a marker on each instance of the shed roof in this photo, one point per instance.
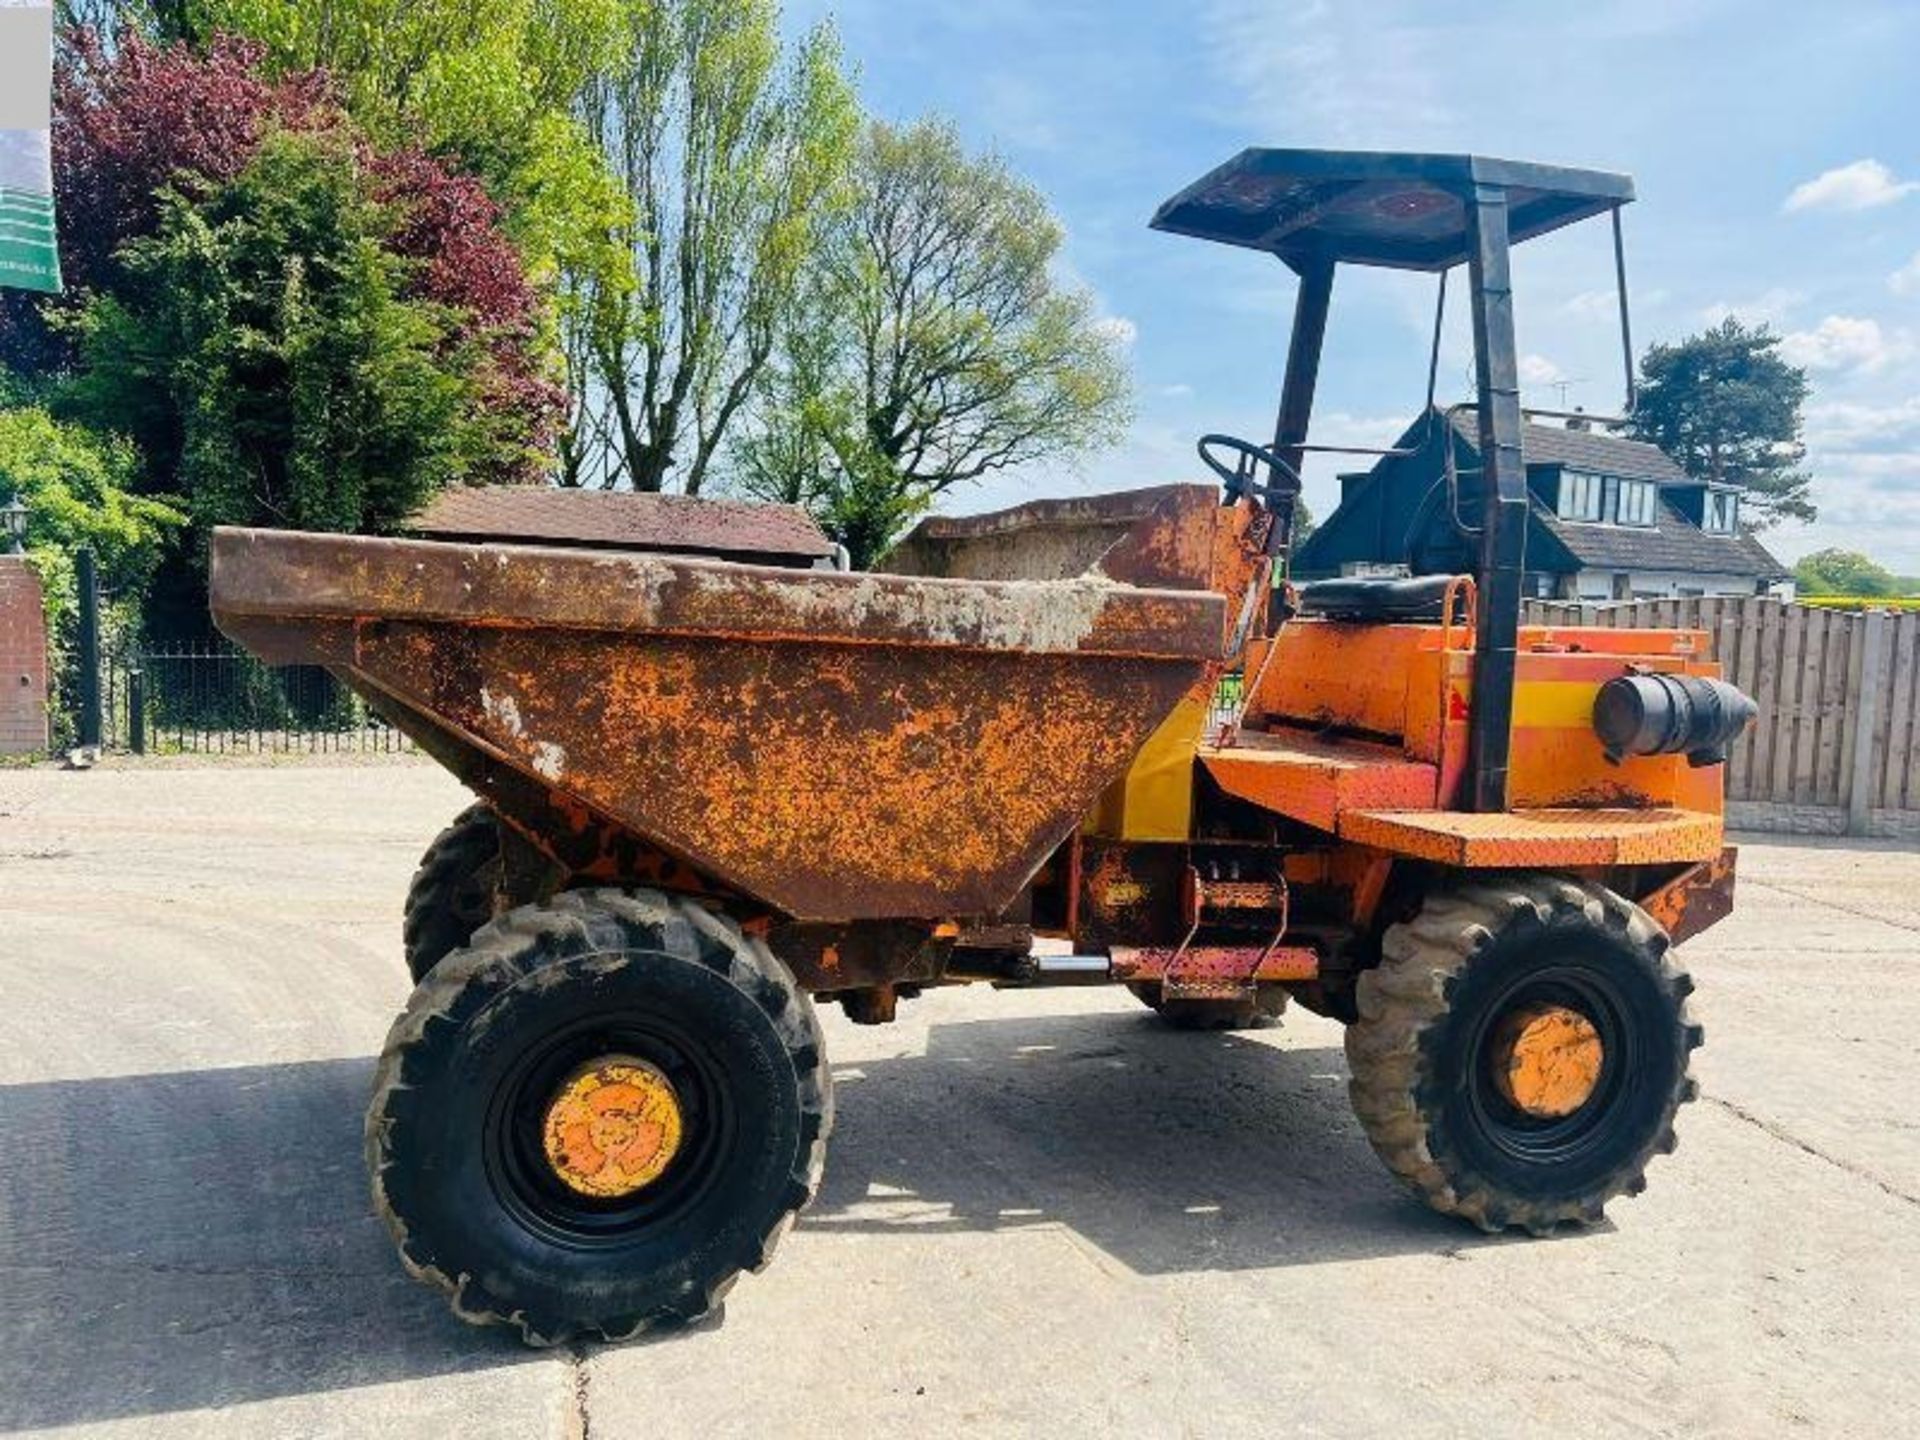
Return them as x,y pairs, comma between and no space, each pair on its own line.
622,520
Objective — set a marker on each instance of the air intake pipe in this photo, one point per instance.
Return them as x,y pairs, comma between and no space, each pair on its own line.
1648,713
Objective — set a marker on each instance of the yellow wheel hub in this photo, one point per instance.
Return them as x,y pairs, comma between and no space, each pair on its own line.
613,1127
1546,1060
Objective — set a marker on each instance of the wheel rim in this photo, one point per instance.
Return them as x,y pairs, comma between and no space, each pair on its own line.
1554,1060
1546,1059
613,1127
572,1197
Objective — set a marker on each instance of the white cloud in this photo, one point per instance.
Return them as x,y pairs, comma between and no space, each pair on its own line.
1906,280
1770,307
1863,185
1844,425
1868,502
1845,342
1343,427
1117,328
1294,65
1177,391
1539,370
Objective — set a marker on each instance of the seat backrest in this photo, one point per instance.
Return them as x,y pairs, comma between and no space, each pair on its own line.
1377,600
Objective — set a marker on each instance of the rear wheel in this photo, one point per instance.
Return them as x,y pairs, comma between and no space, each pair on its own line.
597,1115
452,891
1259,1012
1522,1050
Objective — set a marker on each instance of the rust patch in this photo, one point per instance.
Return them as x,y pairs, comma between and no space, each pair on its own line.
1229,964
838,747
1696,898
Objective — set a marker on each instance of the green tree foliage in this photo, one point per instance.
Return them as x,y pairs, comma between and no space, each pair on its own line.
77,488
731,151
1727,408
937,347
1844,572
267,359
489,85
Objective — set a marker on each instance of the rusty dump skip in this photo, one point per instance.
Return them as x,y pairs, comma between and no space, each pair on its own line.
838,746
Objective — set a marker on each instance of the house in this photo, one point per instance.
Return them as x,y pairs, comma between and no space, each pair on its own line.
1612,519
643,522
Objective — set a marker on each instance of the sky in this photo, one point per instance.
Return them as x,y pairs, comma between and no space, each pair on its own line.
1775,148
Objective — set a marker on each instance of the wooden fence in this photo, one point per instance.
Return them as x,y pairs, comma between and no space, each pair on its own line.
1837,744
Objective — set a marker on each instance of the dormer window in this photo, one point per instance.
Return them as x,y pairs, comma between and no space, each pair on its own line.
1723,512
1606,499
1582,496
1637,499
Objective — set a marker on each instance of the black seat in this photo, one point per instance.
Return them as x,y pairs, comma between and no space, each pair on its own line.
1377,600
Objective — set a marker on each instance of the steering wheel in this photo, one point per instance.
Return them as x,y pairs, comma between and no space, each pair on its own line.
1240,477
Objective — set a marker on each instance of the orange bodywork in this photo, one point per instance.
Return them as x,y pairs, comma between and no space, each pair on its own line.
1361,730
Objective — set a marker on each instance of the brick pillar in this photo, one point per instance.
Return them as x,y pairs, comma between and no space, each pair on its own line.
23,660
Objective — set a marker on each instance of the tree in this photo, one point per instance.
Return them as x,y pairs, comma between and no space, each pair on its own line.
487,86
77,490
731,157
148,136
268,358
1727,408
938,347
129,119
1844,572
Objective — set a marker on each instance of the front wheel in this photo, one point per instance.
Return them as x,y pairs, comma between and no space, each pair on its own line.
597,1115
1522,1051
452,891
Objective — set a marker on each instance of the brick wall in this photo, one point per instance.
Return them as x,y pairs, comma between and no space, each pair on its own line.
23,660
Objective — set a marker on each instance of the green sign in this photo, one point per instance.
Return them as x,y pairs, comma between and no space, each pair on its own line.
29,257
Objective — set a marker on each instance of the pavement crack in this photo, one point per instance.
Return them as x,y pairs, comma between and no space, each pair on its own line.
1827,904
579,1417
1787,1137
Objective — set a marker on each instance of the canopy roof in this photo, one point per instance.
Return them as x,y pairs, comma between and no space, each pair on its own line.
1408,212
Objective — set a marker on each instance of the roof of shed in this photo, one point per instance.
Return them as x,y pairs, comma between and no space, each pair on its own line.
622,520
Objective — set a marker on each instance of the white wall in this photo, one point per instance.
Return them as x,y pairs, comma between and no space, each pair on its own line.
1660,584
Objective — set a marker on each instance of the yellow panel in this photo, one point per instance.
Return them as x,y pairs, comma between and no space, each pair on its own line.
1560,704
1154,799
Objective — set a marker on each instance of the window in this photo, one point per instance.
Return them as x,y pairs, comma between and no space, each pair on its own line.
1723,511
1582,496
1607,499
1637,499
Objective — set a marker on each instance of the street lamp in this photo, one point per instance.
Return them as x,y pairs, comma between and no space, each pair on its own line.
13,521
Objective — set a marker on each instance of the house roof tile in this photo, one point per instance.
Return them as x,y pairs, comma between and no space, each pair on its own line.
1672,542
1587,450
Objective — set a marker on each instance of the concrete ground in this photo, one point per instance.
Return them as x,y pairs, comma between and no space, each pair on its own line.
1042,1215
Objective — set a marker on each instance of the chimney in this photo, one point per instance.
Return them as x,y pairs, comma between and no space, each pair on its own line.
1578,420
